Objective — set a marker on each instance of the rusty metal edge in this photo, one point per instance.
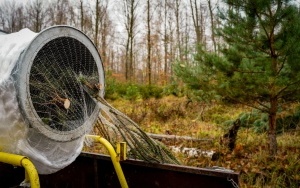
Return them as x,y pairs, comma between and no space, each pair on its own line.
172,167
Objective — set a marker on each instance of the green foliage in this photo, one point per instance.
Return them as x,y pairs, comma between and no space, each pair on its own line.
197,80
113,88
131,91
258,63
174,88
259,121
148,91
255,119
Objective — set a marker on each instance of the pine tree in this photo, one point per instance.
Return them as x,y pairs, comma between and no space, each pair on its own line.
259,61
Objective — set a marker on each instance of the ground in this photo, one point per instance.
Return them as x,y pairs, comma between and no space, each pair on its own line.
179,116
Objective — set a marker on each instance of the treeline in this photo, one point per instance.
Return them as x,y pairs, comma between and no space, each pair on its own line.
138,40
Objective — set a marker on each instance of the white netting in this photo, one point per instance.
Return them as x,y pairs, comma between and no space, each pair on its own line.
12,126
51,94
44,113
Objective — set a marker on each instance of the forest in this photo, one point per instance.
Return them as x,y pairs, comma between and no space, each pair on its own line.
138,40
199,69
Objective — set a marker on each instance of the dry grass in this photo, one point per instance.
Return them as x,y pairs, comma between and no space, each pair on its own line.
178,116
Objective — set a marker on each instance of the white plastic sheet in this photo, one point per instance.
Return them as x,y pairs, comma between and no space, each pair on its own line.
16,135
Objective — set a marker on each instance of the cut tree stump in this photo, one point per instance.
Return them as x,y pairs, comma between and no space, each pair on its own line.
229,138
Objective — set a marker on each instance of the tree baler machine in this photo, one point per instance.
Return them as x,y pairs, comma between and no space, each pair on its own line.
48,112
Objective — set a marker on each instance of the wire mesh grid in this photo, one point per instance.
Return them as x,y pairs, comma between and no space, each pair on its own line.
55,90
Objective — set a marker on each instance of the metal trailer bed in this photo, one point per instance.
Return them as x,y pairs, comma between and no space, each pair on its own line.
94,170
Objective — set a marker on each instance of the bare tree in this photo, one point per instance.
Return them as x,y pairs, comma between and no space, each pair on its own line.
186,35
212,24
84,18
97,17
2,18
59,12
167,22
167,35
165,38
21,18
81,15
178,35
36,15
102,29
198,17
130,12
103,23
8,16
149,71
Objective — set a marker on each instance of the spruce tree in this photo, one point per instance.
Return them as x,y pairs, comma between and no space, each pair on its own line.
259,59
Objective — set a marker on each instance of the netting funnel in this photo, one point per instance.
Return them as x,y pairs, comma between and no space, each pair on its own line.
44,112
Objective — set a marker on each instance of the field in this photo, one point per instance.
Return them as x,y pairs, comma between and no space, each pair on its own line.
178,116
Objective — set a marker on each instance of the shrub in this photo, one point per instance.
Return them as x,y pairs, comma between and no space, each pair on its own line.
258,121
131,91
114,89
148,91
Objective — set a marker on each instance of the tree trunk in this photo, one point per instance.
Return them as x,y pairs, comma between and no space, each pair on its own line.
165,41
197,17
127,75
272,127
104,28
148,43
130,23
81,15
96,23
212,24
177,18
